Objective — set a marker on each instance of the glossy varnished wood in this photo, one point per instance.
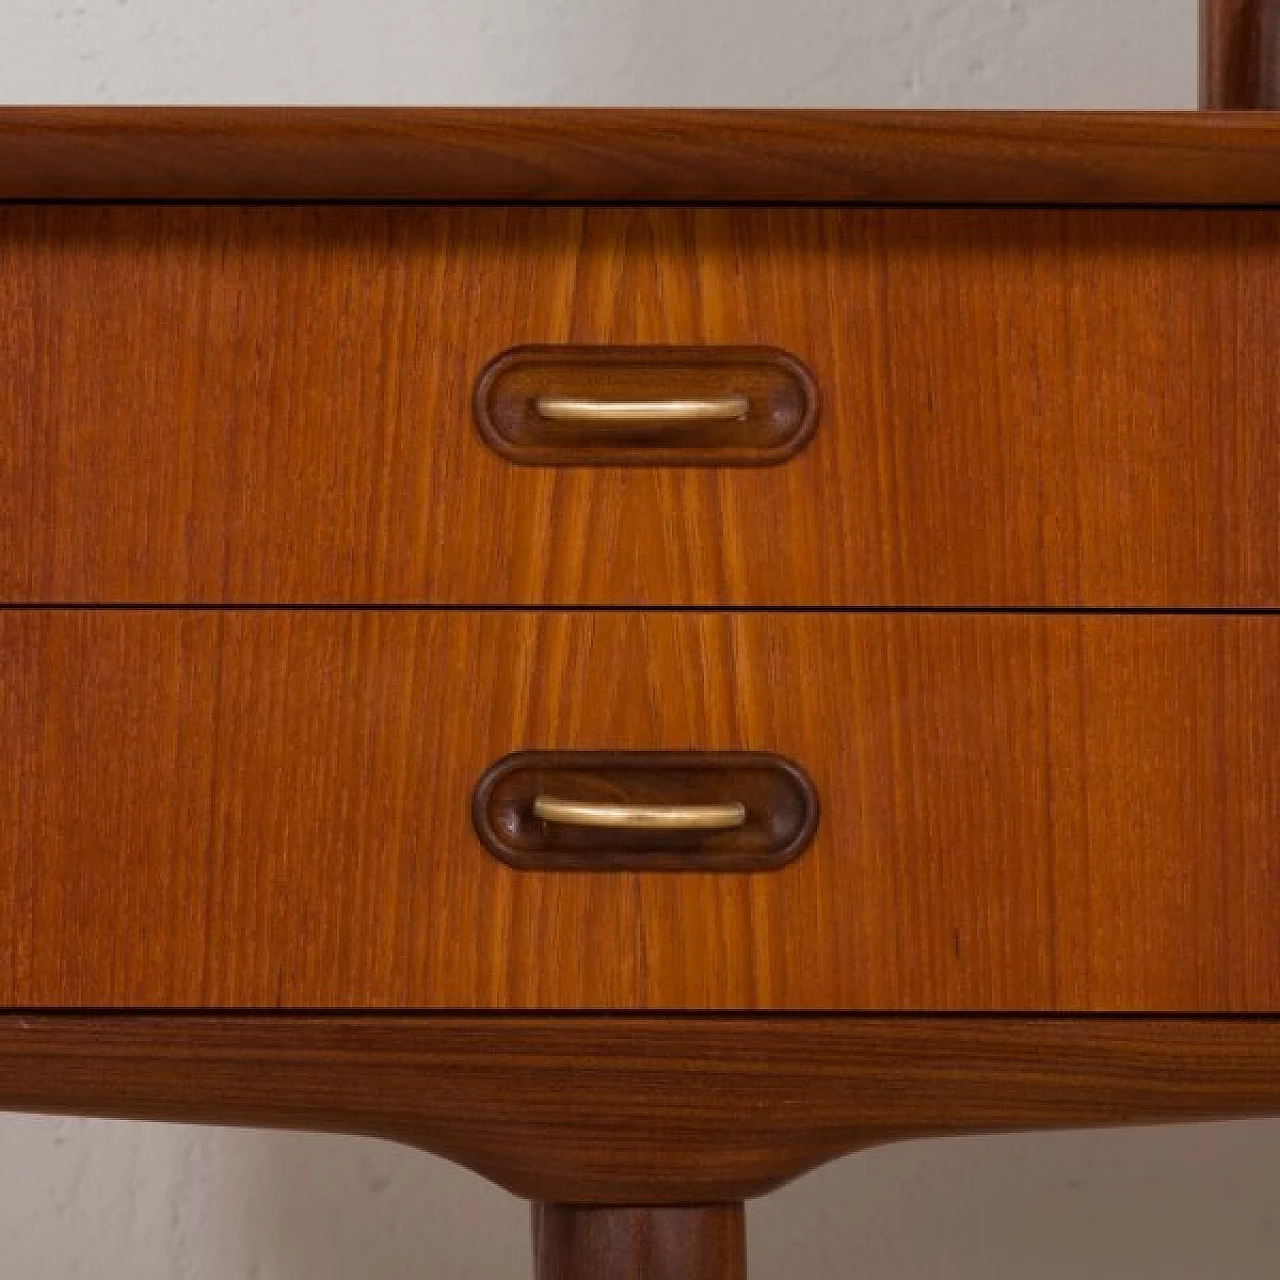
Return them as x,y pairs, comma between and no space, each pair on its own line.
1240,48
932,157
572,1242
233,809
641,1111
1034,408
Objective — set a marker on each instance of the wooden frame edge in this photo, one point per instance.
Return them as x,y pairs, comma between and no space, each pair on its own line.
646,1110
559,156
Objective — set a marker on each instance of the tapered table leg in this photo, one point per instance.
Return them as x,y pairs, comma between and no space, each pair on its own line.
706,1243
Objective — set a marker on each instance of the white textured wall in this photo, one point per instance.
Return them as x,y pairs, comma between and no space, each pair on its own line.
1004,53
107,1201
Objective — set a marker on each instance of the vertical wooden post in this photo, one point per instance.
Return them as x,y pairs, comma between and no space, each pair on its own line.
705,1243
1240,55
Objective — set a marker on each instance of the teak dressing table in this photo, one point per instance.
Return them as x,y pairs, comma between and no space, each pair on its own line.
643,651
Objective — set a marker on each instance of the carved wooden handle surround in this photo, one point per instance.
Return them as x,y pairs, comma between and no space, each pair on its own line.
713,406
645,811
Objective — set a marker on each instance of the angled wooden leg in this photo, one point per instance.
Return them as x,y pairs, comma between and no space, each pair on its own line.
703,1243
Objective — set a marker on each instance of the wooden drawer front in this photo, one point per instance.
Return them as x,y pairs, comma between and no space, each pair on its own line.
268,405
1018,812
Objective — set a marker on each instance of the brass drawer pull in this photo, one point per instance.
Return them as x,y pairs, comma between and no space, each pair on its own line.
641,817
646,406
717,409
645,811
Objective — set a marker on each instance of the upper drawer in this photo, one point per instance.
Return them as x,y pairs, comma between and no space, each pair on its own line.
274,405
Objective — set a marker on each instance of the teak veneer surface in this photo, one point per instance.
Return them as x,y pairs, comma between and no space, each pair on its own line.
268,405
641,1110
930,157
1018,812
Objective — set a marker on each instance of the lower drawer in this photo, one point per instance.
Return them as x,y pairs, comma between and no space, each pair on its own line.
264,809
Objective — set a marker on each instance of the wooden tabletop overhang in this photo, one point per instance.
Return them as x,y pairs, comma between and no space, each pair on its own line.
470,155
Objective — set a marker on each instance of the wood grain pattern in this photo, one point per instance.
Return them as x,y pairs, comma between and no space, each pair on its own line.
1240,55
642,1111
1050,408
877,157
1020,812
607,1243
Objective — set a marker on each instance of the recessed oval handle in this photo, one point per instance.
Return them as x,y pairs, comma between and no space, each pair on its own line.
640,817
650,811
646,406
